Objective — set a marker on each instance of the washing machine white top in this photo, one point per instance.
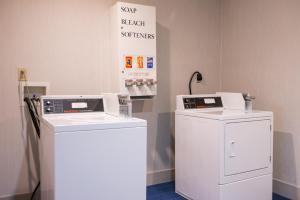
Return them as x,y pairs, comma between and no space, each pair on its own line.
225,114
81,113
87,121
220,106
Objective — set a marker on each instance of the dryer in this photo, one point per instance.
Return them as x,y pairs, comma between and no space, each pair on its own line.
88,154
222,151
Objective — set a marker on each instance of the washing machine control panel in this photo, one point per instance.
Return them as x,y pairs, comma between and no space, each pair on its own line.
202,102
56,106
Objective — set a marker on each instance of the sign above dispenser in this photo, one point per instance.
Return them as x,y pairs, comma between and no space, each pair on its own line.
134,49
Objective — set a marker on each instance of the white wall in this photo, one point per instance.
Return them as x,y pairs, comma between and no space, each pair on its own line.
66,42
260,55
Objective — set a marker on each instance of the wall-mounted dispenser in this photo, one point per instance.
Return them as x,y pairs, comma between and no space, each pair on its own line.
133,69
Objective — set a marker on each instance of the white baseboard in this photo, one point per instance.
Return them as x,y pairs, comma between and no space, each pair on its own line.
16,197
160,176
286,189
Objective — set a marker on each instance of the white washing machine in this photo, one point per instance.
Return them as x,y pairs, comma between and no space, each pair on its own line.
88,154
222,151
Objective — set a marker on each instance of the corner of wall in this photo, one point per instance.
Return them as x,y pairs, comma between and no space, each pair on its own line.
285,189
221,6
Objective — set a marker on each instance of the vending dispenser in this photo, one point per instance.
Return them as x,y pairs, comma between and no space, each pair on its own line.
134,62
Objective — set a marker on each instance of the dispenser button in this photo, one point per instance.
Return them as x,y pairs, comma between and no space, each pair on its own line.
129,83
149,82
140,82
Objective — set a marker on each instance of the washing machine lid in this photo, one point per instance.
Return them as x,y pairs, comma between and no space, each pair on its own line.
225,114
89,121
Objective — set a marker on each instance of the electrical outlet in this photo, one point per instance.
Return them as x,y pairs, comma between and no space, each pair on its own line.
22,74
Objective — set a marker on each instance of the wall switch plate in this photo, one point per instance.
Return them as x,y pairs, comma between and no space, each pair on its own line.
22,74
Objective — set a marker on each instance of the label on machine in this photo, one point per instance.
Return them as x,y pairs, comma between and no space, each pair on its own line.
202,102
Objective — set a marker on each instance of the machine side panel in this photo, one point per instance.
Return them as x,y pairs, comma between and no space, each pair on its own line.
100,164
47,163
197,157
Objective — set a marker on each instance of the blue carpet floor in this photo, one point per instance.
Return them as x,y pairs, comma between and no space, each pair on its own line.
166,191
